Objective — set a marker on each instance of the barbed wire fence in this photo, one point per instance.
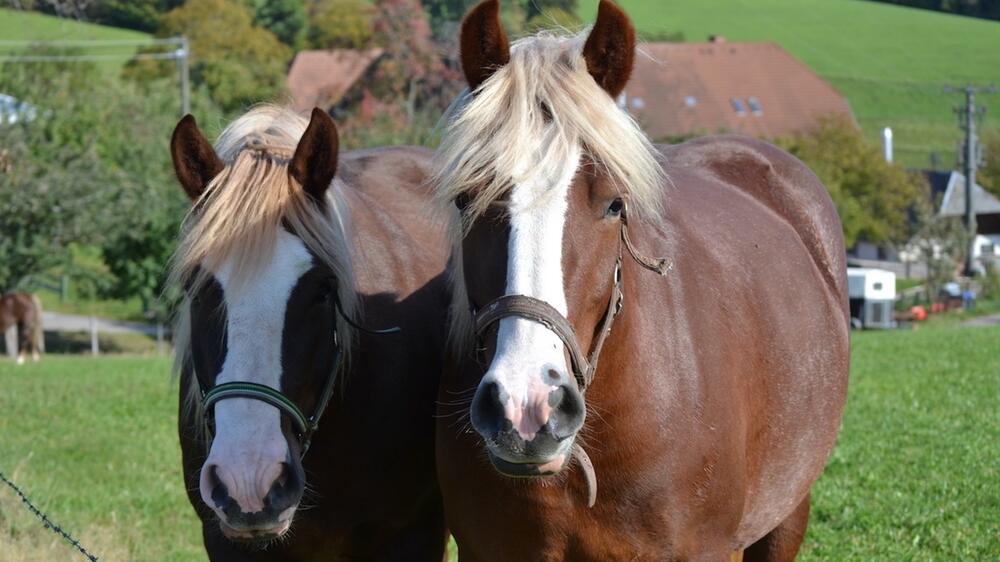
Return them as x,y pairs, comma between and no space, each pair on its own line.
46,522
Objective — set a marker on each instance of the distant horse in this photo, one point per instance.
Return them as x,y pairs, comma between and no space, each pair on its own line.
21,324
277,260
661,332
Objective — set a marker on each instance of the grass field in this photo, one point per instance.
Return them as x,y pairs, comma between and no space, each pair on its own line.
891,62
914,476
18,26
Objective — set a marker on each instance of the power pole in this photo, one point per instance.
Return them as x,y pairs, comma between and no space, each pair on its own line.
183,54
971,158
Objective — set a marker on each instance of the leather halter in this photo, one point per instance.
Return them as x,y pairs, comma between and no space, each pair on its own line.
584,366
305,427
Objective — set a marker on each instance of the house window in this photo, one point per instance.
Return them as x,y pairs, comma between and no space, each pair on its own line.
877,286
738,106
987,249
690,101
755,106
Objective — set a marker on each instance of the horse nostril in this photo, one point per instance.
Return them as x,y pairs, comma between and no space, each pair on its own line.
218,490
487,409
287,489
568,410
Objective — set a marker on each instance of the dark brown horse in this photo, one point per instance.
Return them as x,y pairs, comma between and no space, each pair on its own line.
21,324
661,332
278,260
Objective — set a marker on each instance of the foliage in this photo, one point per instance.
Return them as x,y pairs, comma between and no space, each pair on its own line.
986,9
875,199
444,11
989,175
286,19
411,70
54,184
941,243
991,281
535,8
553,18
340,24
238,62
141,15
91,171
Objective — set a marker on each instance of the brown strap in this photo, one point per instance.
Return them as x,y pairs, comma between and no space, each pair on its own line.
659,265
543,313
588,473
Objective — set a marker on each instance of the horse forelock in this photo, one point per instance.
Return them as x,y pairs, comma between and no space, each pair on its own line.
534,112
237,220
538,110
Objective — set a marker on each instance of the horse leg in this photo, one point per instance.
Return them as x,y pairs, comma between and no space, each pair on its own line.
23,342
10,340
783,542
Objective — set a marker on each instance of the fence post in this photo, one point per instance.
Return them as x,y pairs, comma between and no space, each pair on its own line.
159,338
94,348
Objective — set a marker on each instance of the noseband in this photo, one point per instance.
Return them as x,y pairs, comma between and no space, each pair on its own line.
305,427
584,366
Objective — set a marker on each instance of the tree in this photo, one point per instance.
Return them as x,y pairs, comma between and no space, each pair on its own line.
238,62
340,24
875,198
286,19
141,15
54,183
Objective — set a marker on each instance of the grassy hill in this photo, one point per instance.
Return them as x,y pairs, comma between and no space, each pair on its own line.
891,62
18,26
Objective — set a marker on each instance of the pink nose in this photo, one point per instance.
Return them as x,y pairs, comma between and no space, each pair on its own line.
249,499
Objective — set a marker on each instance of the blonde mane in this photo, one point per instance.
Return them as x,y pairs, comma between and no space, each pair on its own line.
238,217
530,114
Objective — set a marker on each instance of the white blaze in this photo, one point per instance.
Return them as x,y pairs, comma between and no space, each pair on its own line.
526,350
249,447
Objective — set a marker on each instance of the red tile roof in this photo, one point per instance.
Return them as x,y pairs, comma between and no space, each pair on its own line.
681,89
321,78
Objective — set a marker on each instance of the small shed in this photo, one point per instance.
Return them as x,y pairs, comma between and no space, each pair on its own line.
872,294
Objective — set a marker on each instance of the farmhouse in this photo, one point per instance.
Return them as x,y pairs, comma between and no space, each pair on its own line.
322,78
683,89
949,189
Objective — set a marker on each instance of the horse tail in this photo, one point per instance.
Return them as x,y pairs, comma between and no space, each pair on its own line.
37,330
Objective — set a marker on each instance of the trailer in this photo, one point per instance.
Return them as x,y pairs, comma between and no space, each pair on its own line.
872,294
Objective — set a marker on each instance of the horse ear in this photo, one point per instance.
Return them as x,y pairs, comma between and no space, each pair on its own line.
484,45
315,161
195,161
610,48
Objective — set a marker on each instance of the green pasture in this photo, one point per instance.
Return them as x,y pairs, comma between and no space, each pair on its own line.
914,476
891,62
17,26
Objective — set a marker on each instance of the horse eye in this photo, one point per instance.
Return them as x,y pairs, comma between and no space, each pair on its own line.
462,201
616,207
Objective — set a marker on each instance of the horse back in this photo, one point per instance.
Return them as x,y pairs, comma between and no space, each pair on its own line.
780,182
759,318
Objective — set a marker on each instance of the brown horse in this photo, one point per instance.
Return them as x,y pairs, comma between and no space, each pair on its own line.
628,407
21,324
277,260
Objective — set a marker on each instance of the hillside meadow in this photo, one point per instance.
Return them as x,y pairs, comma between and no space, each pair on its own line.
891,62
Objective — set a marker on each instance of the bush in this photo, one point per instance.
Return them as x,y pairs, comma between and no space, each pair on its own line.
875,198
340,24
